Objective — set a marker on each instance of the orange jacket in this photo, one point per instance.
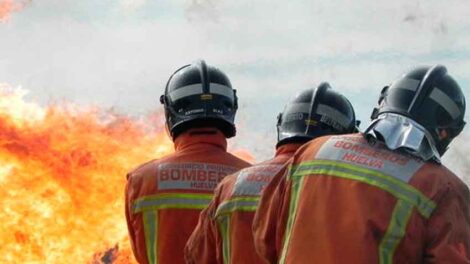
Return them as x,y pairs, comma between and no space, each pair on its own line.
341,200
164,197
223,234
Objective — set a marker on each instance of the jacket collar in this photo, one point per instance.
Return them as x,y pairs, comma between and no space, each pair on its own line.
287,149
203,135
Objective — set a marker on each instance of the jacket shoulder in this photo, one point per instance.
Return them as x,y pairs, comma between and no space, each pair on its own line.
315,144
142,168
450,178
148,166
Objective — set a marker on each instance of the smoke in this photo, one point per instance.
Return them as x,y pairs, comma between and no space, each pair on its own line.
458,157
9,6
132,5
417,17
202,11
120,53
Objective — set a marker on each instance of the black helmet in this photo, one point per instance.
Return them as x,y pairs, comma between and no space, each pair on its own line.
313,113
198,95
430,97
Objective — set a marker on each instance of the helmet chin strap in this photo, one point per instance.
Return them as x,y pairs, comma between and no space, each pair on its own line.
402,133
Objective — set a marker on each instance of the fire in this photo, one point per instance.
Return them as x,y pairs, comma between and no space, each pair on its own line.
245,155
62,176
9,6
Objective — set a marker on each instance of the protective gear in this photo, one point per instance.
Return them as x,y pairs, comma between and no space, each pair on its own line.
223,234
315,112
165,197
198,95
430,97
401,132
342,200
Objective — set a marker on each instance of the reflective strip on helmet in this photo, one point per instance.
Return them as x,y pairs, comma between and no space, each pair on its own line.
407,84
395,232
294,201
334,114
172,200
185,91
399,189
444,100
224,227
238,204
437,95
150,219
220,89
299,108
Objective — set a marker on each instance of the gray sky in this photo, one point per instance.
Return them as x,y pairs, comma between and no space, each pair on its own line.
120,53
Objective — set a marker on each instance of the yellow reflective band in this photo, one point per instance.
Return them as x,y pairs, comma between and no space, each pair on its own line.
205,97
399,189
172,200
238,204
290,170
294,201
150,219
395,232
224,226
311,122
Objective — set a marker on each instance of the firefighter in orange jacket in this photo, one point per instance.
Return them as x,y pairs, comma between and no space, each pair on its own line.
377,197
164,197
224,234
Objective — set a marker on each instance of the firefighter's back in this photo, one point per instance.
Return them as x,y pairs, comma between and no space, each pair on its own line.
356,203
239,200
167,195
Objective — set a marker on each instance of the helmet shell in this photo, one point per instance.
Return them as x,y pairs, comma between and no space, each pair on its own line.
198,95
315,112
432,98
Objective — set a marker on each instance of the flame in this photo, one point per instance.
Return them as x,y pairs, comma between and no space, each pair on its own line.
62,176
9,6
245,155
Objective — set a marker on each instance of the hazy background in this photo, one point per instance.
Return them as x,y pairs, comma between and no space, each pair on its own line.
119,54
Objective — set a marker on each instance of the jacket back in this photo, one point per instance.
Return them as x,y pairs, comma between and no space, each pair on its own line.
224,232
164,197
344,201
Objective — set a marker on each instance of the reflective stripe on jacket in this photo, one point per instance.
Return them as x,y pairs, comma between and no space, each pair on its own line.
164,197
223,234
340,200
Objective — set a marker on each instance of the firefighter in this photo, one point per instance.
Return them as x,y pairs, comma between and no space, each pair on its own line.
381,196
164,197
224,234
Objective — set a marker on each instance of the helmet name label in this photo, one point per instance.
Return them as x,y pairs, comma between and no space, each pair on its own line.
326,120
191,176
294,117
194,111
333,117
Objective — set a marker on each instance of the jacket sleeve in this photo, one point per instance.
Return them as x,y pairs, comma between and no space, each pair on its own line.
271,217
448,229
128,212
203,244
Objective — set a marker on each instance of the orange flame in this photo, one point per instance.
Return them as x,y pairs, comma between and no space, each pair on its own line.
245,155
62,175
9,6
